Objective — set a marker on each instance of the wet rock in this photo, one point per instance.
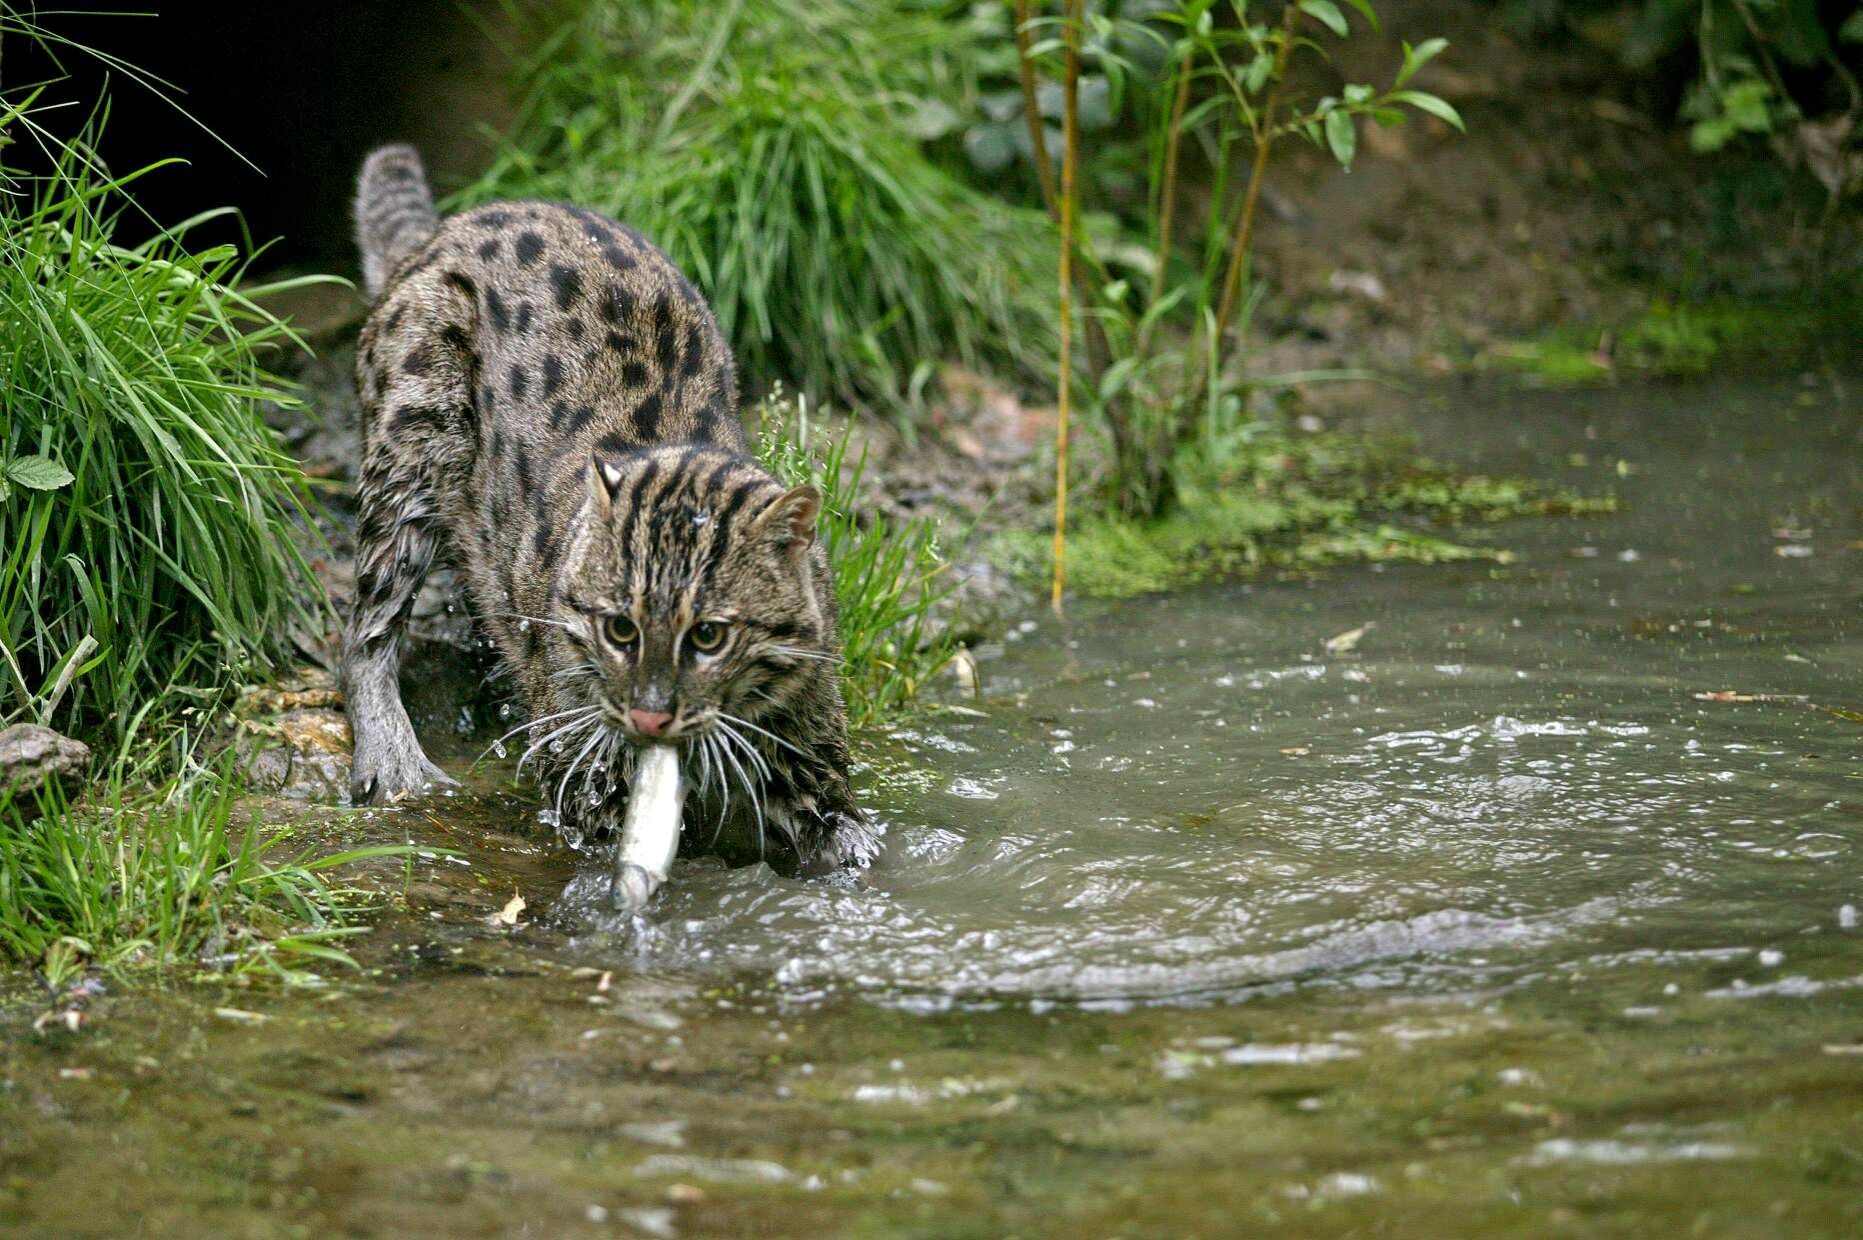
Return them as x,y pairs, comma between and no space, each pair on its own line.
294,737
302,753
31,755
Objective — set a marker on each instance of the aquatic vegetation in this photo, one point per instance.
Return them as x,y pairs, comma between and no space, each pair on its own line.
1268,500
770,150
887,583
147,512
1676,339
169,881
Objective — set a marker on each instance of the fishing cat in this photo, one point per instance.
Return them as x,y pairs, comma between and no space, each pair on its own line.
548,403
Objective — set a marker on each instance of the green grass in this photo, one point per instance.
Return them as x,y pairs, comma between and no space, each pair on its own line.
766,146
146,511
1258,499
167,881
1672,340
886,575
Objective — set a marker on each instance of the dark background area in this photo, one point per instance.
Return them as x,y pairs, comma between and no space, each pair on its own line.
301,90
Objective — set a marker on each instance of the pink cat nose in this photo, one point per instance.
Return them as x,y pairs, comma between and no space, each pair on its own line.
652,722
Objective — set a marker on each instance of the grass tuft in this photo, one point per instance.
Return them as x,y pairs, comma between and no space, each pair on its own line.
767,146
168,882
146,511
887,584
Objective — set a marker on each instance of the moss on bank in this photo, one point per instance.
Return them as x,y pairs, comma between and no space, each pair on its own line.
1294,504
1680,339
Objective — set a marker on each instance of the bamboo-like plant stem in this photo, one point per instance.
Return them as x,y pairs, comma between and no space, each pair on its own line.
1070,157
1031,108
1167,204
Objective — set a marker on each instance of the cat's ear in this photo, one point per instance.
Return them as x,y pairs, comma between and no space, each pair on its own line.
791,517
604,482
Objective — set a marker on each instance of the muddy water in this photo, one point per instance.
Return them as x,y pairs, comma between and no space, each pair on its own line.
1483,922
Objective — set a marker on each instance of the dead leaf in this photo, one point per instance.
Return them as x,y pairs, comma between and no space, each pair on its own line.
1347,642
508,915
964,669
1728,695
71,1018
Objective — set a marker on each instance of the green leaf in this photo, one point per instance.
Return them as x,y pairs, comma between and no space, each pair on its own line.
6,489
1423,101
1416,57
1746,105
1329,13
1342,136
38,473
1258,71
1364,6
1852,29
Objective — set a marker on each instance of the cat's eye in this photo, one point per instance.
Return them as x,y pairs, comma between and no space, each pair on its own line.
706,635
620,630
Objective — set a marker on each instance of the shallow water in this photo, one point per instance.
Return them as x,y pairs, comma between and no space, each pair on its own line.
1491,923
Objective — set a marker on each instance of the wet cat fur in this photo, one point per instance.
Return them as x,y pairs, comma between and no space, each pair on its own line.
548,404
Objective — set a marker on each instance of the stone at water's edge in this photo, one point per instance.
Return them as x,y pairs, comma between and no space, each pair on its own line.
293,738
302,753
31,755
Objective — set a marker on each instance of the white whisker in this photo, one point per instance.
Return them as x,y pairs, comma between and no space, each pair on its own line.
563,784
538,723
586,719
796,652
750,788
518,615
745,723
751,751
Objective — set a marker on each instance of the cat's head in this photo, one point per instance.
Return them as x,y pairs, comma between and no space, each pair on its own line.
691,592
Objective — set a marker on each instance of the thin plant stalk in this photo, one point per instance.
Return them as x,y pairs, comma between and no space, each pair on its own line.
1031,107
1092,273
1167,201
1070,156
1264,142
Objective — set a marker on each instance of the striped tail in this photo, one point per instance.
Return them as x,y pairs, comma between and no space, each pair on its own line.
394,212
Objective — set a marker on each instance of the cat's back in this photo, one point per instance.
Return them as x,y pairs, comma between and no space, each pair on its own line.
574,331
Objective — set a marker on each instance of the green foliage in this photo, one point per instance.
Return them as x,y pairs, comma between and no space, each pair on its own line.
1254,498
1675,339
146,511
770,147
166,881
1229,88
1784,70
886,575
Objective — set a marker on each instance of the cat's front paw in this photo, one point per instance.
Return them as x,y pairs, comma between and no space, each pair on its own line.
385,774
843,845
